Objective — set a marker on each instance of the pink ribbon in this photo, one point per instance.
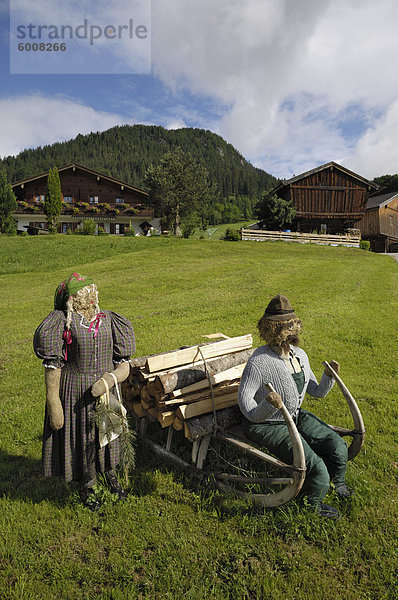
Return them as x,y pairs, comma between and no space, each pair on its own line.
67,336
97,322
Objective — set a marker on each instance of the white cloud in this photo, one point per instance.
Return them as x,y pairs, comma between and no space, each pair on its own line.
289,70
33,120
294,83
377,150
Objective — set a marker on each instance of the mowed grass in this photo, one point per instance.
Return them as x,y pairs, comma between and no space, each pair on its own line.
175,537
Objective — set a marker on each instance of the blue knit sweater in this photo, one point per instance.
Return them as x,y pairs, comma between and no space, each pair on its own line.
265,366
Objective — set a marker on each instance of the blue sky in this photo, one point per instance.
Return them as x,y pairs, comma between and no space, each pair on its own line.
290,83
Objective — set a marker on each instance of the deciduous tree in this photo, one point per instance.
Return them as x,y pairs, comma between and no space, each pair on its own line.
178,187
275,213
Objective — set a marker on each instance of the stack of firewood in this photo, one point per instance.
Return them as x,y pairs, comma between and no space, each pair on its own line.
180,387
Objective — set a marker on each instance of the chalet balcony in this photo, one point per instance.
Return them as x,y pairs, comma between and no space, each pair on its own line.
77,209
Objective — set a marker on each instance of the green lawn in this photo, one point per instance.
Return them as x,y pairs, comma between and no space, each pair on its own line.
175,537
215,232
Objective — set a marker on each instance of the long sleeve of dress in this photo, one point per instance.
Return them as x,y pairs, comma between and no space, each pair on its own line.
122,337
48,341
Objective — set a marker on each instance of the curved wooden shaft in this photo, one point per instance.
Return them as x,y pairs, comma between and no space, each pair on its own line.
290,491
358,433
297,470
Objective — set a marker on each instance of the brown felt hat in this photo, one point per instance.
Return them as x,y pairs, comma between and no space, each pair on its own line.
279,309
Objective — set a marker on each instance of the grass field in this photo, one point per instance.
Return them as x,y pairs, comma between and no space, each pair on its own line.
175,537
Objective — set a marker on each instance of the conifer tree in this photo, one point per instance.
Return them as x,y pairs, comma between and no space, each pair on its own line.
8,205
53,200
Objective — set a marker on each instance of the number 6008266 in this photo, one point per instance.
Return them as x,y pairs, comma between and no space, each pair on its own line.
41,47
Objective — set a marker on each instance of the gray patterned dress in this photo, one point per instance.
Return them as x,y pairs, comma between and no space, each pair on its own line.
73,452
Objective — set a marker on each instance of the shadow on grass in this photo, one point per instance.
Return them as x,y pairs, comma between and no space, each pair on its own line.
20,478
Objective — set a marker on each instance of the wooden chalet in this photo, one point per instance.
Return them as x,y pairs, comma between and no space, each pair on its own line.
379,224
329,199
114,205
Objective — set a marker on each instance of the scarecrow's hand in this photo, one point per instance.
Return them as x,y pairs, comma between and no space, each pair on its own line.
98,388
121,373
335,366
275,399
54,406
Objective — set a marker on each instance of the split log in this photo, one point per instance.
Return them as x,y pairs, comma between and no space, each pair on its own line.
146,397
201,407
146,406
196,353
173,380
203,425
223,376
178,424
217,392
165,418
131,387
135,409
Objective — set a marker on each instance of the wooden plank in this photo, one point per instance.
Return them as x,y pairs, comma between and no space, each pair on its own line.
259,235
228,375
201,395
187,411
196,353
252,450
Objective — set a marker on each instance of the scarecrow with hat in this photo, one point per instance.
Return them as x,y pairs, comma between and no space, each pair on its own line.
84,350
286,366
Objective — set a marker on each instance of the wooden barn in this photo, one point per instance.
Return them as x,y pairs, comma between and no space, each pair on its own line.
114,205
329,199
379,223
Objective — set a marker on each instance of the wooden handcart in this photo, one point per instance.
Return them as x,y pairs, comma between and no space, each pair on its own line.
222,424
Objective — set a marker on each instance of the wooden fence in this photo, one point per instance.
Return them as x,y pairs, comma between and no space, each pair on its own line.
258,235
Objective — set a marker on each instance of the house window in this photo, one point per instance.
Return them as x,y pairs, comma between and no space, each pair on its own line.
68,199
93,199
119,200
117,228
323,228
391,221
37,224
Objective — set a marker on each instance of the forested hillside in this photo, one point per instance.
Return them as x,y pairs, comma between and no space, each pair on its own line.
125,152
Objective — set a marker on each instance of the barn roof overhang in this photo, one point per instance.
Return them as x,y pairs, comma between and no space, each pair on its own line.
333,165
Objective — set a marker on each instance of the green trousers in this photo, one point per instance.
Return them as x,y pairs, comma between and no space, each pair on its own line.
325,451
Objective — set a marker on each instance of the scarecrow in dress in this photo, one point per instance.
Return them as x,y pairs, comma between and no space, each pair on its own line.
84,351
286,366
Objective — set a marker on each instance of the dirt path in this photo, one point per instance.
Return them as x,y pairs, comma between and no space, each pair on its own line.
393,255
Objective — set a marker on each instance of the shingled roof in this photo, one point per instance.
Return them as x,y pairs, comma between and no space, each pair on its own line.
381,200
